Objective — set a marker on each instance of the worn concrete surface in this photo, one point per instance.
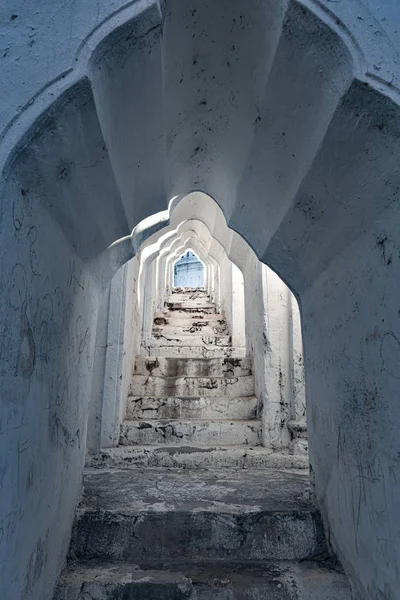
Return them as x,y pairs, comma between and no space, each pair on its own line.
192,431
193,457
196,513
189,342
187,318
200,349
234,490
231,387
202,341
206,408
170,367
190,307
199,325
308,580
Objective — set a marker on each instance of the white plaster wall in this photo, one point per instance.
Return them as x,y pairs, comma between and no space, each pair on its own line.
337,170
277,299
94,439
256,324
298,406
238,308
211,282
272,346
49,303
48,309
132,325
150,306
118,337
353,413
226,289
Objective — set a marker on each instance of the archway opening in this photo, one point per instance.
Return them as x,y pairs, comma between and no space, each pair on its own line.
244,316
188,271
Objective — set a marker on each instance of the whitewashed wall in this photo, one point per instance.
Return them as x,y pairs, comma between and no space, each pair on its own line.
83,160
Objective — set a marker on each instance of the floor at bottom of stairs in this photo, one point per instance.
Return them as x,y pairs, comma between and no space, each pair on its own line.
200,534
200,580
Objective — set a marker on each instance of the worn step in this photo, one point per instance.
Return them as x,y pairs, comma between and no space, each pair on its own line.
197,327
190,308
184,295
186,303
188,300
196,514
179,297
194,457
185,432
185,288
195,367
174,303
152,386
185,318
201,580
195,351
173,407
188,290
193,340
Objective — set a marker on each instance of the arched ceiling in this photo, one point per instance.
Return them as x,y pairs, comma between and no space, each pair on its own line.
196,217
264,106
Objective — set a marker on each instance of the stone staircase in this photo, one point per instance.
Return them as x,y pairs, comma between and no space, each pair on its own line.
173,407
190,328
191,401
190,505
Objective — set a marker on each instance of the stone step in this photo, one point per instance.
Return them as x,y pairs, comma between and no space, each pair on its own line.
179,297
186,303
185,318
196,328
196,514
195,367
194,457
200,580
176,302
298,428
159,387
186,432
173,407
189,352
193,340
190,307
188,290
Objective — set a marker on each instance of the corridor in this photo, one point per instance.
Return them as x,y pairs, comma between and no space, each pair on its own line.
190,506
263,135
